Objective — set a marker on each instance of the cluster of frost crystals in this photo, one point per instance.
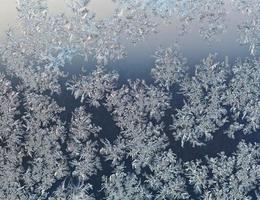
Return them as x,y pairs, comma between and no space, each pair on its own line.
250,29
217,95
32,50
41,38
247,7
72,192
242,95
168,180
50,41
223,177
140,143
134,106
93,87
42,109
203,111
39,79
44,163
10,148
83,159
8,110
101,38
31,160
36,75
250,34
82,150
137,102
170,67
134,23
164,8
123,185
211,14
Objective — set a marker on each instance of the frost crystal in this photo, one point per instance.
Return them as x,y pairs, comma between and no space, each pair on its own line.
203,112
243,95
94,86
167,181
82,150
250,29
169,67
121,185
134,103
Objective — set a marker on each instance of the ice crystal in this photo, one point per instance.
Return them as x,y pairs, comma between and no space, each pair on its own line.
167,179
82,150
42,109
135,102
121,185
94,86
79,192
169,67
243,95
203,112
140,143
250,29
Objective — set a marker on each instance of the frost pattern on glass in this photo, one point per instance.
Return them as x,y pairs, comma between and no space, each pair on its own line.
51,149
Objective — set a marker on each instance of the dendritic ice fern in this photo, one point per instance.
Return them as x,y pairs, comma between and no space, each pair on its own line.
186,130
